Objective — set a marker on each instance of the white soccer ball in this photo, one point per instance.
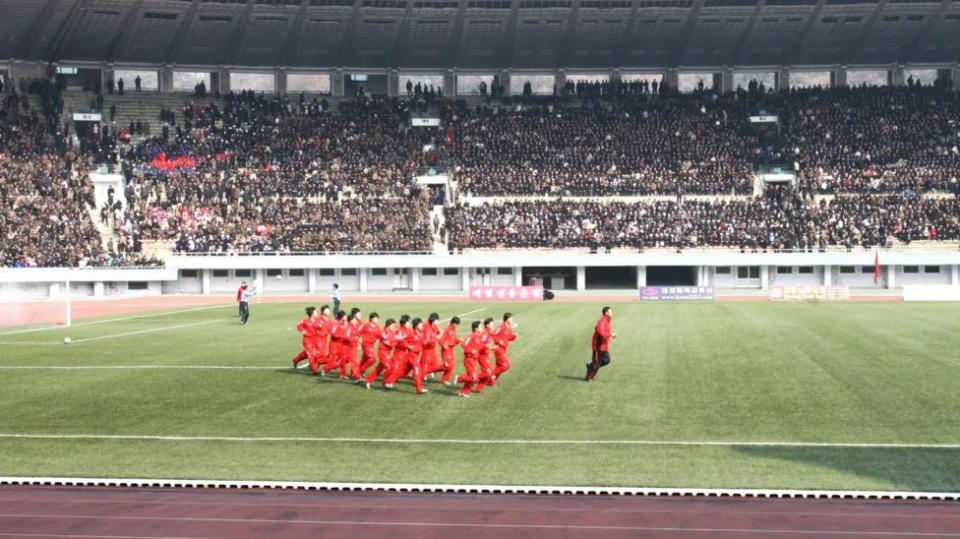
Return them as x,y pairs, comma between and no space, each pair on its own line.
66,340
279,277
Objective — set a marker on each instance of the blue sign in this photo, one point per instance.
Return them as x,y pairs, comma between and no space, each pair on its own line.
676,293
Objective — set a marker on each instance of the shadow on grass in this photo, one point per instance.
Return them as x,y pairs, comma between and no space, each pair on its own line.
913,469
569,377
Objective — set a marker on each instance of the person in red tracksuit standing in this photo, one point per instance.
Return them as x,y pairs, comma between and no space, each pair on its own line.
323,324
384,352
308,337
338,339
472,345
503,336
600,344
448,350
429,363
398,367
369,335
486,370
243,285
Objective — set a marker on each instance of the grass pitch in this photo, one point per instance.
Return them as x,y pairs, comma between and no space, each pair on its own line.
706,379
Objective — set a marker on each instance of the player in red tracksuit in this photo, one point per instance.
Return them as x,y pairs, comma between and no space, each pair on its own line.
352,342
369,335
338,340
412,346
308,331
323,325
398,367
600,344
486,370
388,342
472,346
429,363
502,337
448,350
243,285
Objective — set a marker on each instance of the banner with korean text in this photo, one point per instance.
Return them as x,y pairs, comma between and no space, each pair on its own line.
676,293
506,293
806,293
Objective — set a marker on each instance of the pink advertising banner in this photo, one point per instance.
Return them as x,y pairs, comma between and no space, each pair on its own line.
506,293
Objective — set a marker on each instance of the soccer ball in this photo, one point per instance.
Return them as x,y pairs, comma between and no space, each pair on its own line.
66,340
279,277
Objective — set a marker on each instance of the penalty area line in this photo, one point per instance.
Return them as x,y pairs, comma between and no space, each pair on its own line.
463,441
473,311
117,335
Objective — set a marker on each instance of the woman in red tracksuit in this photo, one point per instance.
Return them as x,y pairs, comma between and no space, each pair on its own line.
429,363
338,341
472,345
502,337
349,358
486,370
398,367
388,341
323,324
369,335
413,347
308,332
448,350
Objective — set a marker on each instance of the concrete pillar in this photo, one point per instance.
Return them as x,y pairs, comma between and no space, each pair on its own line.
98,289
312,280
54,290
891,276
258,279
840,76
505,81
783,79
465,279
165,77
280,80
641,276
518,276
726,80
393,82
581,278
364,272
955,275
224,75
205,281
896,76
672,77
450,83
827,275
415,279
336,83
764,277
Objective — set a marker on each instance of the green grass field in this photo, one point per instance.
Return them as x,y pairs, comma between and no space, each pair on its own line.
717,373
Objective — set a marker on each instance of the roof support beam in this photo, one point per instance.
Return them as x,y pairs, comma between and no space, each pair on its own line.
507,48
179,41
737,52
564,49
65,34
854,51
626,39
347,51
791,55
25,41
290,49
239,31
123,30
400,38
908,51
681,51
455,43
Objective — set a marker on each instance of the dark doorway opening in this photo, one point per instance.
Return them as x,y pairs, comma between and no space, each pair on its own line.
551,278
671,276
612,278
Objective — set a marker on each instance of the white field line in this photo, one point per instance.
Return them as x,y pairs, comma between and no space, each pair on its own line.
108,320
117,335
463,441
474,311
467,525
140,367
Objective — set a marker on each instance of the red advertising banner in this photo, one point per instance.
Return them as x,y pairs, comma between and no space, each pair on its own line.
506,293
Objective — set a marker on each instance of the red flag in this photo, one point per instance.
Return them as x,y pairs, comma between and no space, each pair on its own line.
876,268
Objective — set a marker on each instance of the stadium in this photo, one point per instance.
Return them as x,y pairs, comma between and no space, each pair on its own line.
524,268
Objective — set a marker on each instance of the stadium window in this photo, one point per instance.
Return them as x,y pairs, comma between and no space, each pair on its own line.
866,269
348,272
805,270
191,274
451,271
327,272
911,269
137,285
318,83
221,273
242,273
784,270
931,269
297,273
848,269
504,271
273,272
379,272
723,270
748,272
429,272
401,271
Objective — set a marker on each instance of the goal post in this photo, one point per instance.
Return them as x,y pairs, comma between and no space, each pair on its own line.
28,304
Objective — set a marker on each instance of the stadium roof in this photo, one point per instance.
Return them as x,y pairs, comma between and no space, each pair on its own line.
483,33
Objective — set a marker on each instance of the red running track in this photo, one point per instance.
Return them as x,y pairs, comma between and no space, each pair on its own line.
134,513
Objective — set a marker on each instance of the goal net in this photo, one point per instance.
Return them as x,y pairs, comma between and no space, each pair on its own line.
34,304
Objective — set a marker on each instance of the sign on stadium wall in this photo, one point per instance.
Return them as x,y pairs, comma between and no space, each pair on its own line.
676,293
425,122
801,293
506,293
86,117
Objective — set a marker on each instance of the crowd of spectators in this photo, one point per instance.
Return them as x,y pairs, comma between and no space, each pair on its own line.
779,220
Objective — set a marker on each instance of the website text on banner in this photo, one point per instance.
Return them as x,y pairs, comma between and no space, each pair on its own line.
506,293
676,293
801,293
